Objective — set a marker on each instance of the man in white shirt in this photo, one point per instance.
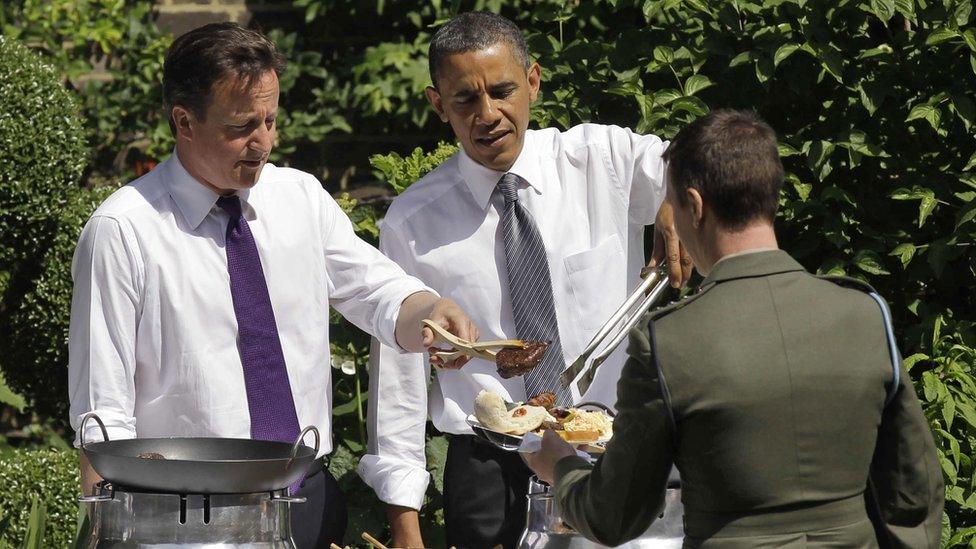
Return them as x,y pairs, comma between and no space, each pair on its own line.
579,200
202,290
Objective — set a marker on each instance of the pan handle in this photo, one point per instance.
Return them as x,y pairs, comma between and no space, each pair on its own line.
98,420
301,438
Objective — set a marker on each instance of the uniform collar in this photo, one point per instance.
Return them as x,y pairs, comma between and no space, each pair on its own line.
481,181
194,199
750,265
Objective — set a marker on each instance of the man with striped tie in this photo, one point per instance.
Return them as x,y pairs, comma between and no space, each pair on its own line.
538,234
202,290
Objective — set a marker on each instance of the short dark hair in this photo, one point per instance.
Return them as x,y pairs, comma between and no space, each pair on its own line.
210,54
473,31
731,158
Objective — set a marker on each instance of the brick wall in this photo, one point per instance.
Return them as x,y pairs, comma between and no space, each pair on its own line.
179,16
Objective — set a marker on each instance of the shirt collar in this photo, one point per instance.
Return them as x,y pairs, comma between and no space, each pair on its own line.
481,180
194,199
750,265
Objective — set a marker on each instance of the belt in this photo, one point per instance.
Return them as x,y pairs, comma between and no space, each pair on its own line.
783,520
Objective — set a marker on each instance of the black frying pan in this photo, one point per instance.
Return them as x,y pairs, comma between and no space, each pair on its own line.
200,465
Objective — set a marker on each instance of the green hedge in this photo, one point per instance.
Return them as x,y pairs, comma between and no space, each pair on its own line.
44,152
51,474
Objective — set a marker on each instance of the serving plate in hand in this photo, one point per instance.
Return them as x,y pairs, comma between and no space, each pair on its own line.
510,442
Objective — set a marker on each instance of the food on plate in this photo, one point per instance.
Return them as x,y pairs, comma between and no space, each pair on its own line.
151,455
573,424
513,362
493,412
584,425
547,400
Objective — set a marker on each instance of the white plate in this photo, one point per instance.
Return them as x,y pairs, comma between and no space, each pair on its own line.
511,441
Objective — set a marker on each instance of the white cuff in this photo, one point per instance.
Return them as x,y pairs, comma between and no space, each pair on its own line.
396,482
117,426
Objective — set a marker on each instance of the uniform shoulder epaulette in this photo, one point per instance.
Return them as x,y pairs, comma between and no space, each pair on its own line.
661,312
849,282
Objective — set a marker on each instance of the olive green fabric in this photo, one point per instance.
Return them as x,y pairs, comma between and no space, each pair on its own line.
767,390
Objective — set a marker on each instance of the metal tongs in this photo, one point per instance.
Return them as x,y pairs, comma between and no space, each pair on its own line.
477,349
648,292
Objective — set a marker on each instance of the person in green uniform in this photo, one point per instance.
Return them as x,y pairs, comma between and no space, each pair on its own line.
779,395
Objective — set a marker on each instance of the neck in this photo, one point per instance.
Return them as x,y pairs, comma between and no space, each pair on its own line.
189,164
722,243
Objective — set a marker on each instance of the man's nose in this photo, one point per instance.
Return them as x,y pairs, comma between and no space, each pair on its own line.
488,113
263,138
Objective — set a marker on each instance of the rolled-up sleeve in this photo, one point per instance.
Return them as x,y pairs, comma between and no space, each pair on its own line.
101,339
394,465
638,164
616,499
365,286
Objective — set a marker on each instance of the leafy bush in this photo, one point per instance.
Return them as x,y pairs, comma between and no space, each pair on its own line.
112,52
36,326
43,156
52,475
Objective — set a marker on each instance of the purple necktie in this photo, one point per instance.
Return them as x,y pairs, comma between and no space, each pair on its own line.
269,397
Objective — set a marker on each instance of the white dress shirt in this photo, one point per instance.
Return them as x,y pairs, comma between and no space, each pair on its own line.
153,337
591,190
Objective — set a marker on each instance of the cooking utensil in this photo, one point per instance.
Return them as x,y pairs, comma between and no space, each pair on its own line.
200,465
373,541
479,349
617,327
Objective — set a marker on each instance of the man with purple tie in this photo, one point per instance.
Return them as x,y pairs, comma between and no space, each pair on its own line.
202,289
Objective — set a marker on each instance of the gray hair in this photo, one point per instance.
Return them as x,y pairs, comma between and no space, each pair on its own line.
473,31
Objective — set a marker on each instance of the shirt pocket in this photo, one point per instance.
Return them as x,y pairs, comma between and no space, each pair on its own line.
590,275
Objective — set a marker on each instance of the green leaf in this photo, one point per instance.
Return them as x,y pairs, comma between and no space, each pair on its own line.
968,413
905,252
884,9
965,109
930,386
785,149
883,49
747,56
872,94
971,163
832,267
949,413
869,262
913,360
967,214
692,105
697,83
36,525
925,208
783,52
970,37
664,54
961,14
941,35
906,8
928,112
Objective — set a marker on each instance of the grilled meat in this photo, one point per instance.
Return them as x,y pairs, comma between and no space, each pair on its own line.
547,400
517,362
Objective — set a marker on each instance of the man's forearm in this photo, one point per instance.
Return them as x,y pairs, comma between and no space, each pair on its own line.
89,477
405,526
414,309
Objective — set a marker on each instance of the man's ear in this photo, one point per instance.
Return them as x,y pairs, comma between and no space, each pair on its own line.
434,98
697,207
184,121
534,77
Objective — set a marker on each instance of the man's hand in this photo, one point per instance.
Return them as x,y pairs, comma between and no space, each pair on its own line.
543,462
424,305
405,527
668,246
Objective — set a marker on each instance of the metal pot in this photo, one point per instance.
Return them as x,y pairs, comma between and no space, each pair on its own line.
199,465
545,528
125,519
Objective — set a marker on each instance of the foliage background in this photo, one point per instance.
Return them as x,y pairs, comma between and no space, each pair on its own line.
873,100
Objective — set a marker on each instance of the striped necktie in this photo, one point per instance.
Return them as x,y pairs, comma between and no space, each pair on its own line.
531,290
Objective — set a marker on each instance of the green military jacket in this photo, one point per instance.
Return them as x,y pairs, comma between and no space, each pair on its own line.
767,390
